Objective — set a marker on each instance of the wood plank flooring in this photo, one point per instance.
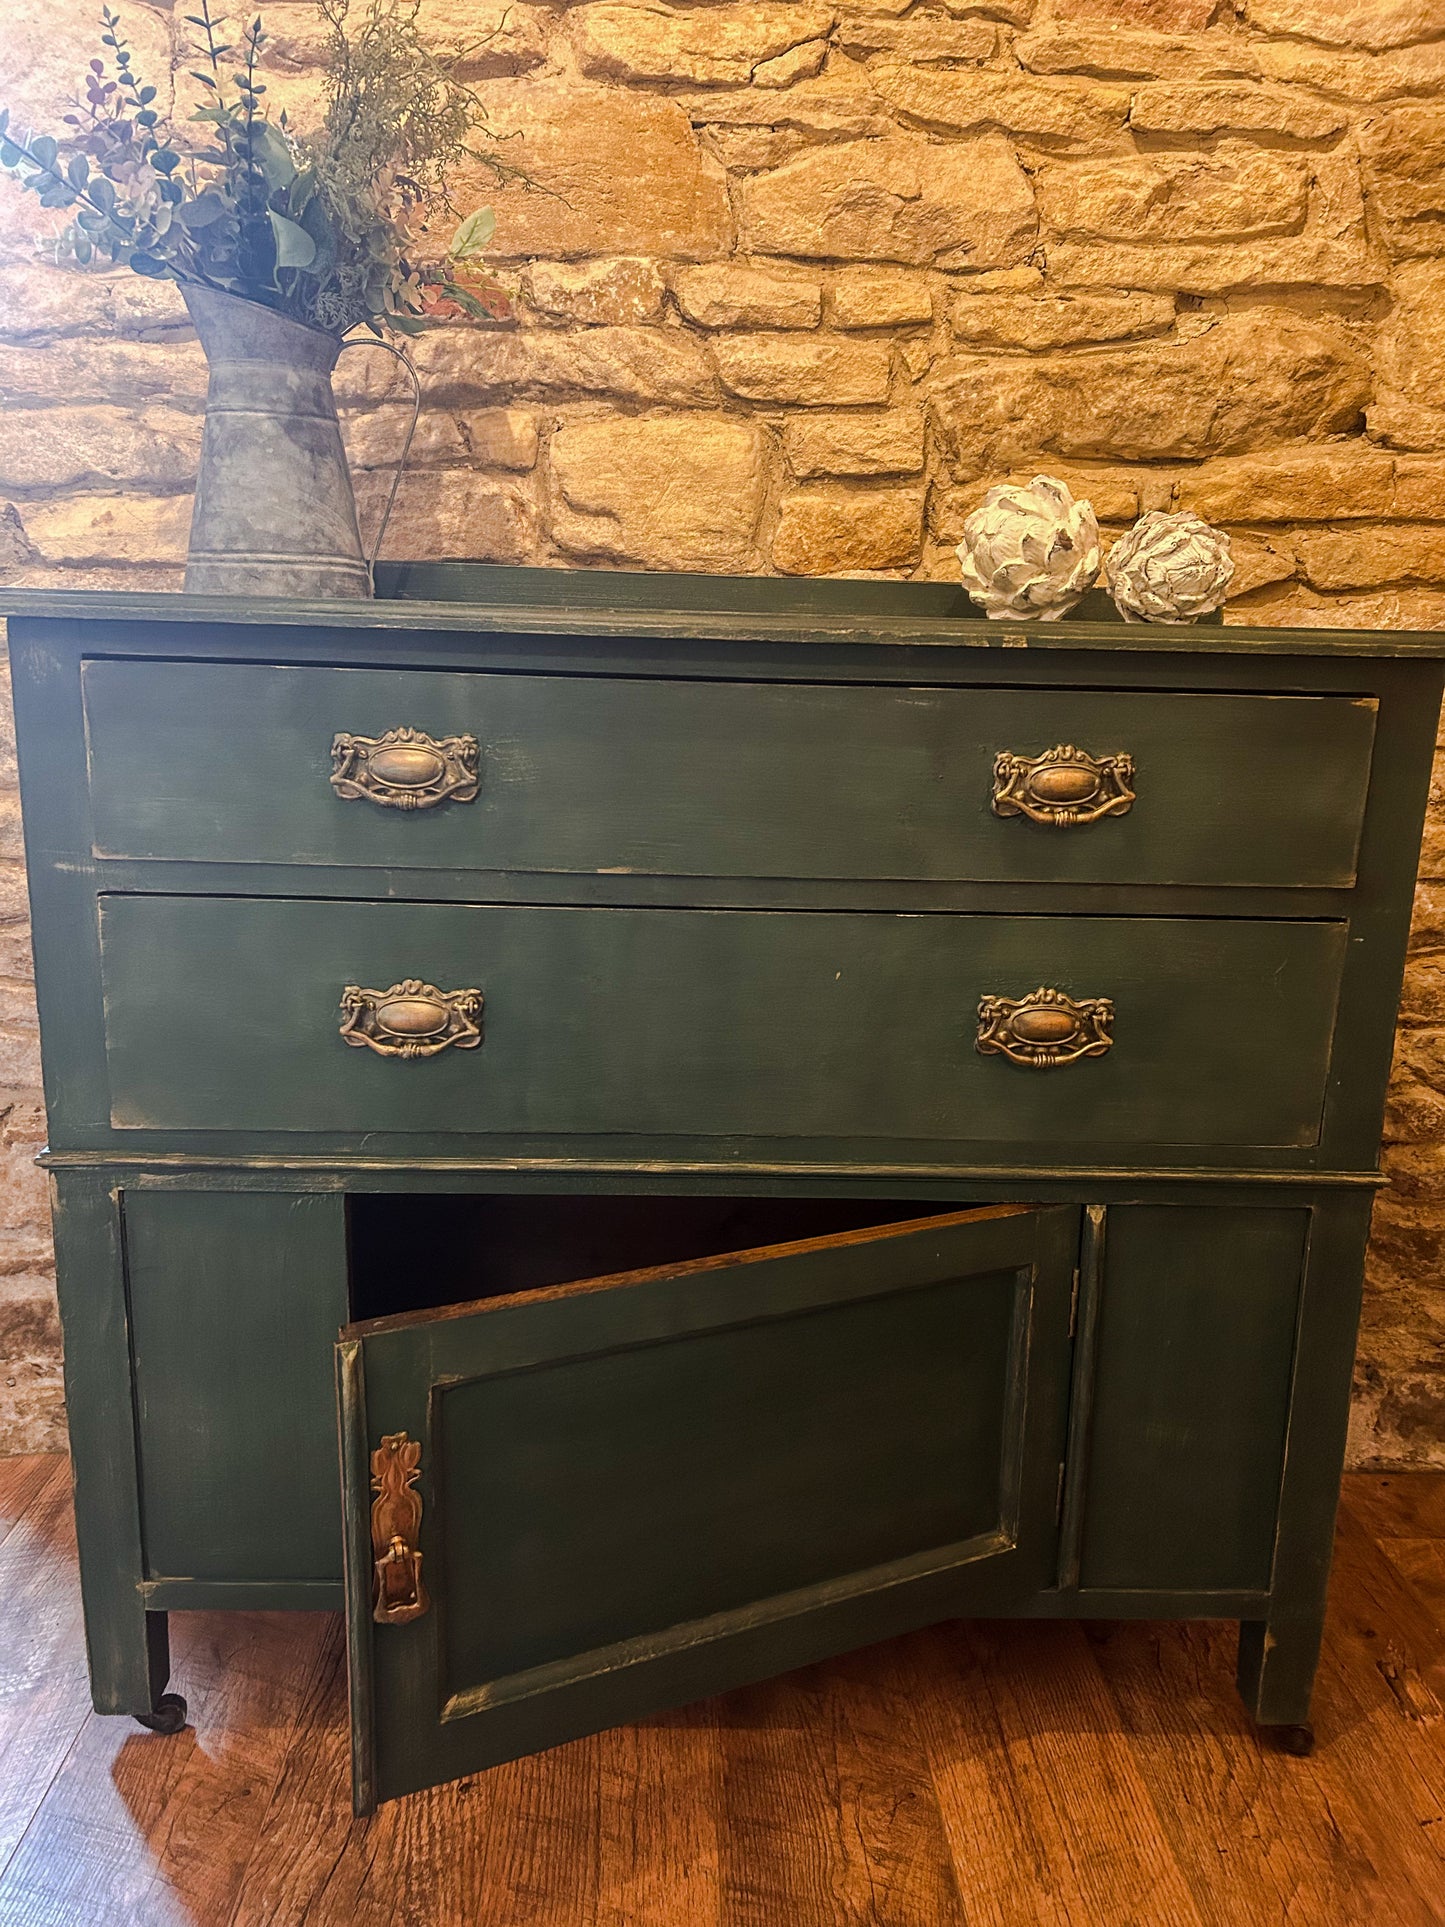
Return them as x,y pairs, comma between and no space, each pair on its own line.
989,1775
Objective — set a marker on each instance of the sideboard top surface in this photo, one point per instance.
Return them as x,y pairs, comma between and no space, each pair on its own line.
480,599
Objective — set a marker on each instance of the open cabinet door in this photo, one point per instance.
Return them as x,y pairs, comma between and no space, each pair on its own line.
571,1507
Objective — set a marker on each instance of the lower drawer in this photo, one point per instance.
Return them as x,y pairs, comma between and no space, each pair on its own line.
227,1014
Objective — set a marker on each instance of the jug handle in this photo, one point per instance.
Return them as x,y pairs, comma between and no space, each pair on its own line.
398,355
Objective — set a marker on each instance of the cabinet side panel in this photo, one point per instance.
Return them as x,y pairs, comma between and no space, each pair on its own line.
235,1302
1196,1344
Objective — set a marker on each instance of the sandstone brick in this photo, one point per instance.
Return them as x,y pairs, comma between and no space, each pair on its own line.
622,174
1305,260
879,298
1014,13
1373,24
1252,379
16,963
1259,561
798,63
839,104
894,200
1294,605
1371,556
832,531
19,1057
482,437
1220,107
1427,924
1415,1169
732,294
63,448
32,1407
1401,423
1170,16
1114,493
703,45
1126,53
1057,320
105,371
1419,487
95,529
807,371
1336,481
855,444
1354,77
620,293
1404,153
1026,279
479,40
1414,1112
451,515
37,301
665,492
12,842
639,364
960,101
1176,197
923,36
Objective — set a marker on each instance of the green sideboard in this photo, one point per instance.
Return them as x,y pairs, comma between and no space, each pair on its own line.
773,1112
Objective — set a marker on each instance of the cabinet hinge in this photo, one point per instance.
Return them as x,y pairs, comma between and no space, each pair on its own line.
1074,1304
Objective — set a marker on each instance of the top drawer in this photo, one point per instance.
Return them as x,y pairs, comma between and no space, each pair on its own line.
232,763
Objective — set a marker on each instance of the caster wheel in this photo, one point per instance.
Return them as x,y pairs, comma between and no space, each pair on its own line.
1296,1740
169,1716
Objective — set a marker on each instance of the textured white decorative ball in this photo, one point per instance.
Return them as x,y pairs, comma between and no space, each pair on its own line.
1169,568
1030,551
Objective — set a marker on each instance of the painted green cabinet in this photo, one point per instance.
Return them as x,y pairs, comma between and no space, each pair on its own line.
770,1113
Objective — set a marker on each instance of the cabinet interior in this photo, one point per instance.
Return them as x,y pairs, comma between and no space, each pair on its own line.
414,1251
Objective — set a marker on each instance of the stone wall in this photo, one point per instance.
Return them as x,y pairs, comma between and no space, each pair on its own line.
803,278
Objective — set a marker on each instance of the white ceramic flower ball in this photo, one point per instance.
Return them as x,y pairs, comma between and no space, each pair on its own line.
1029,551
1169,568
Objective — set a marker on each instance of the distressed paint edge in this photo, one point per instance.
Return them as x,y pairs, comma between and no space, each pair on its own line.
356,1567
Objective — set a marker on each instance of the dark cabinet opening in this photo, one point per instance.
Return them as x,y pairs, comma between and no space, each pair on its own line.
418,1251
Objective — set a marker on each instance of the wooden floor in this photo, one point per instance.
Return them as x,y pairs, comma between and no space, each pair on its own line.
999,1774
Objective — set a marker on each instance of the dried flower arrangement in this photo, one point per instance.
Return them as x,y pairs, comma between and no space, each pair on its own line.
331,228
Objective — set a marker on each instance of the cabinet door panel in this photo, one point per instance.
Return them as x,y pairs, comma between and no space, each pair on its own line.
1192,1388
235,1302
638,1491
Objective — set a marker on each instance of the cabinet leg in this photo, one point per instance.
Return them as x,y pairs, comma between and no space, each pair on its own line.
130,1664
1277,1660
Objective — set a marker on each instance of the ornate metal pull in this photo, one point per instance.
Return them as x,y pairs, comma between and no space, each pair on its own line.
405,769
1045,1028
398,1594
412,1019
1064,786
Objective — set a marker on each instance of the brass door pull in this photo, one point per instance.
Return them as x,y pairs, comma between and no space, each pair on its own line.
398,1594
405,769
412,1019
1065,786
1045,1028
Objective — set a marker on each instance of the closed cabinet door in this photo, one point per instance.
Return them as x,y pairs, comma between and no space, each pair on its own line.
572,1506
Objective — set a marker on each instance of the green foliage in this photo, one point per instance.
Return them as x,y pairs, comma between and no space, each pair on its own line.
331,228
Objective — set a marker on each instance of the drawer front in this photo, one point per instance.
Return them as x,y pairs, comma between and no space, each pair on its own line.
585,775
223,1014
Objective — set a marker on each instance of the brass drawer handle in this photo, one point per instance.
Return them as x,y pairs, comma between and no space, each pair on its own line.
398,1594
1045,1028
405,769
1064,786
412,1019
